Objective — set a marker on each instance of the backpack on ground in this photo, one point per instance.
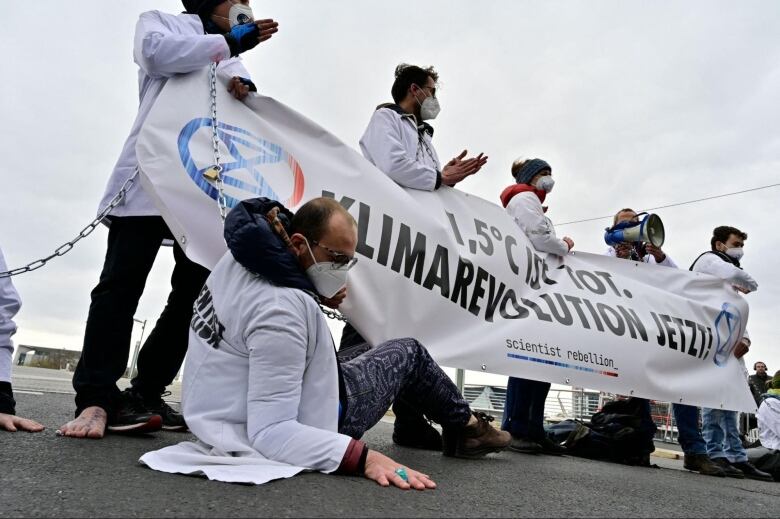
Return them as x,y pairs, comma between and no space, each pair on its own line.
621,432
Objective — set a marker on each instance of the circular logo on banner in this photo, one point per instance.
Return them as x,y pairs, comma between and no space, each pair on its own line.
727,326
251,167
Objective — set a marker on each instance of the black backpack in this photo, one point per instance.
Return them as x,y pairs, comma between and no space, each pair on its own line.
621,432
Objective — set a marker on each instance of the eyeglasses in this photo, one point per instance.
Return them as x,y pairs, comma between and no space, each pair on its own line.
339,258
432,89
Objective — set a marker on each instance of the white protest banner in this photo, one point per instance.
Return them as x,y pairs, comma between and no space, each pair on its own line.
447,268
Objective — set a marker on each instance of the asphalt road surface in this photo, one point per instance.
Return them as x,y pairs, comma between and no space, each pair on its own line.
43,475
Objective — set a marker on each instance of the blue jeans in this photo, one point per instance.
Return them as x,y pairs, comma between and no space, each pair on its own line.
688,434
721,432
524,408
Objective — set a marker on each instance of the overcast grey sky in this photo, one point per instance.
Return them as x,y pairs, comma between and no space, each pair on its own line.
635,104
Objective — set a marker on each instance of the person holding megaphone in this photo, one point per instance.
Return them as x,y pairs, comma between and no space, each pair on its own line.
638,240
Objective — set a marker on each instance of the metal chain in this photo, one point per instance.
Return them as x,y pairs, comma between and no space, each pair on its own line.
217,169
332,314
86,231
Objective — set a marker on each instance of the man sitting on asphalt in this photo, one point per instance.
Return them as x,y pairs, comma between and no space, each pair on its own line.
263,389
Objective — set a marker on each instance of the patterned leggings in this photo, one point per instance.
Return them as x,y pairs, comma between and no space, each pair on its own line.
398,368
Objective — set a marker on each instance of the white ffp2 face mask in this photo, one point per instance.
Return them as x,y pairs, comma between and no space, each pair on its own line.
429,108
240,14
735,253
326,276
545,184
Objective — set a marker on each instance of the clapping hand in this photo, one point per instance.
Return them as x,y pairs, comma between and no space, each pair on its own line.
459,168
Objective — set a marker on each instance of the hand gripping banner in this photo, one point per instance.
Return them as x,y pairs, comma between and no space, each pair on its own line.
450,269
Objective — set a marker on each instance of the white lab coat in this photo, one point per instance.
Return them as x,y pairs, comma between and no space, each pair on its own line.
165,45
649,259
9,306
713,264
264,404
526,210
768,417
392,143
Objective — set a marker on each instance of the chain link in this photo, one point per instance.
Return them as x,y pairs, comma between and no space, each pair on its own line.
332,314
217,169
86,231
218,181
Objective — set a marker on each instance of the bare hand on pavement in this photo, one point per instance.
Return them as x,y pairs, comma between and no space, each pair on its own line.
13,423
382,469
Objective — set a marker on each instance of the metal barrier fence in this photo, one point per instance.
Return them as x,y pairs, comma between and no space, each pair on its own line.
576,404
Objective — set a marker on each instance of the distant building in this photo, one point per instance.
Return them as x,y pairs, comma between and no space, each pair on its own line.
51,358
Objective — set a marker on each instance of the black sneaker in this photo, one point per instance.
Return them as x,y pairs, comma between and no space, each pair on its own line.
172,420
133,417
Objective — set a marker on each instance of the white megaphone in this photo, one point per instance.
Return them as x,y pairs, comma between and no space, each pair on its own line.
649,229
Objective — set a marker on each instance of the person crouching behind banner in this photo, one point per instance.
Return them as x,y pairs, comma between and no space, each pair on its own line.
166,45
263,389
399,142
524,408
686,416
720,427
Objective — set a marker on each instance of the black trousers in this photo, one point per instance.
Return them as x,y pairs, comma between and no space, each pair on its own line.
133,243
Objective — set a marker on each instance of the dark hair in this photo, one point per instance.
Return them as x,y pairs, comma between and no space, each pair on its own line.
722,234
204,8
625,209
407,75
756,363
313,217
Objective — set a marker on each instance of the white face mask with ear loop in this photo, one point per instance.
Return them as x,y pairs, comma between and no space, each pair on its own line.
239,14
326,276
545,183
735,253
429,108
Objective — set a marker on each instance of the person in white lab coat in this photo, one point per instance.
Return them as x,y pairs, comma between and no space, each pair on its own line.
524,408
165,45
719,426
263,389
399,142
9,306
